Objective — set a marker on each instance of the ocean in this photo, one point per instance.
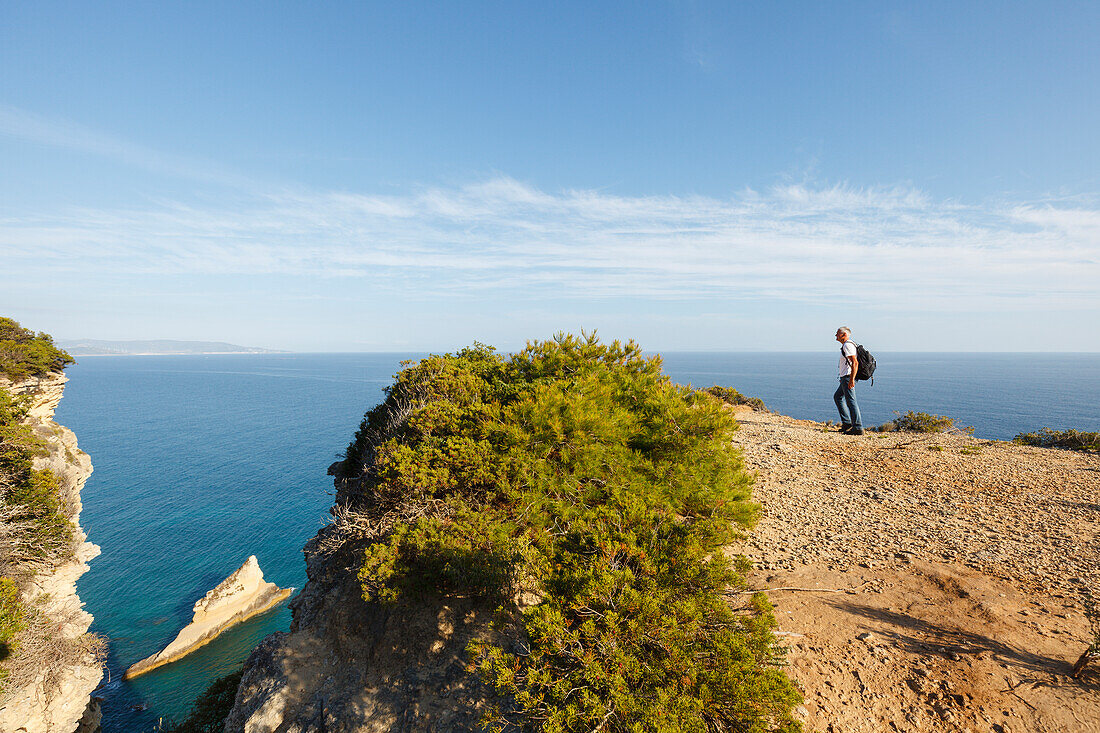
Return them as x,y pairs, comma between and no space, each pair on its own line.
201,461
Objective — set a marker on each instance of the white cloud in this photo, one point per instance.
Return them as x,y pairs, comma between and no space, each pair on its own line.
20,123
895,246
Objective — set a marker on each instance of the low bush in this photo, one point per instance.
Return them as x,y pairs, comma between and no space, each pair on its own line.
12,621
578,474
210,710
35,530
922,422
41,652
11,615
1069,439
24,354
35,525
731,396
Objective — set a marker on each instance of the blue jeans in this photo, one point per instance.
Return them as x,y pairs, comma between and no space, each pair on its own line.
845,399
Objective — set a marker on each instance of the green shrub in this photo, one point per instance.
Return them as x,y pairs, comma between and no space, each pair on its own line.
12,621
574,472
922,422
24,354
1070,439
210,710
36,531
731,396
32,497
11,614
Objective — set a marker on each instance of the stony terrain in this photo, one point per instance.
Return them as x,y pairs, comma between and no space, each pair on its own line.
949,572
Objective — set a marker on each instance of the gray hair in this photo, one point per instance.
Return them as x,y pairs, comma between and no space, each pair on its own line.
845,329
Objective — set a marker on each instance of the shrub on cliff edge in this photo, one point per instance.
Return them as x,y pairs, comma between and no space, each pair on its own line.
731,396
35,527
24,354
35,532
575,474
922,422
1068,439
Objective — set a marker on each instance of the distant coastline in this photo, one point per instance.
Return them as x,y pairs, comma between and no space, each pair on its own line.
157,347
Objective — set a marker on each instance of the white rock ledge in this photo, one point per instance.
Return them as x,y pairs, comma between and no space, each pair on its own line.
241,596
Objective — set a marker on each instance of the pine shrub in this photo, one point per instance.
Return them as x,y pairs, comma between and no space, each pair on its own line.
36,531
922,422
24,354
1068,439
30,497
577,474
12,613
731,396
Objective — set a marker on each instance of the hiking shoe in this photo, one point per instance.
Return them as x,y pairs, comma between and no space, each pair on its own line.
853,431
844,427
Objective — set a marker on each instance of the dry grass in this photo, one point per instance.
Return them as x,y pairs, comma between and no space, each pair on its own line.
44,652
351,526
24,550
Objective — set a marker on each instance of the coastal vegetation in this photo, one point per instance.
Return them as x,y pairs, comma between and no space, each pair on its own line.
210,710
579,492
731,396
923,422
1068,439
35,532
26,354
35,529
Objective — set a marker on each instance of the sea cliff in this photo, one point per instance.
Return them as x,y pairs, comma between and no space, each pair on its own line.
57,699
924,582
349,665
527,542
921,578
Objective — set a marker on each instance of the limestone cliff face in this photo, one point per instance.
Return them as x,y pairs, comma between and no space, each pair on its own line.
59,704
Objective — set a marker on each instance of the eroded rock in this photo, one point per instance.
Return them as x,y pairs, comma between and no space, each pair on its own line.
241,596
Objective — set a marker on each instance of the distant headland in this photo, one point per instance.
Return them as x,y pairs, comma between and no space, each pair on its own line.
157,347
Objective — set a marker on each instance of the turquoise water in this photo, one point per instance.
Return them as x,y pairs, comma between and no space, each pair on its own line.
201,461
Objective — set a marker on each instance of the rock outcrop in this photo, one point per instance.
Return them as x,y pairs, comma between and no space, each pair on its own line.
56,700
349,665
241,596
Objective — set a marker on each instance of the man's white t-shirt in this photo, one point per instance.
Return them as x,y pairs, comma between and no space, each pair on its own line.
846,349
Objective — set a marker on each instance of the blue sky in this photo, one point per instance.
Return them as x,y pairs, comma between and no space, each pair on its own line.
354,176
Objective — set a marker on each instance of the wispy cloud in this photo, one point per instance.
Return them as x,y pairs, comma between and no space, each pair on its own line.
895,246
61,133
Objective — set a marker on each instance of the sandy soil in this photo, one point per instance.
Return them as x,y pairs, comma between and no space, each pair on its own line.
946,575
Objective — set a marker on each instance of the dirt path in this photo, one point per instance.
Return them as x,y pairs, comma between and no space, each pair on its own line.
953,567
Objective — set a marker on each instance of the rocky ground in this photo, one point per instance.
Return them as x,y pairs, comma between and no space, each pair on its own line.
934,581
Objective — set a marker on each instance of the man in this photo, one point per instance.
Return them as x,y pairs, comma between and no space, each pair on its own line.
845,395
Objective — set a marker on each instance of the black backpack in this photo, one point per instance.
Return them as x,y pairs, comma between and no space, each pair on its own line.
866,368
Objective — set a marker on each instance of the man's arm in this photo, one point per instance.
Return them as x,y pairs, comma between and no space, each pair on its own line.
852,376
